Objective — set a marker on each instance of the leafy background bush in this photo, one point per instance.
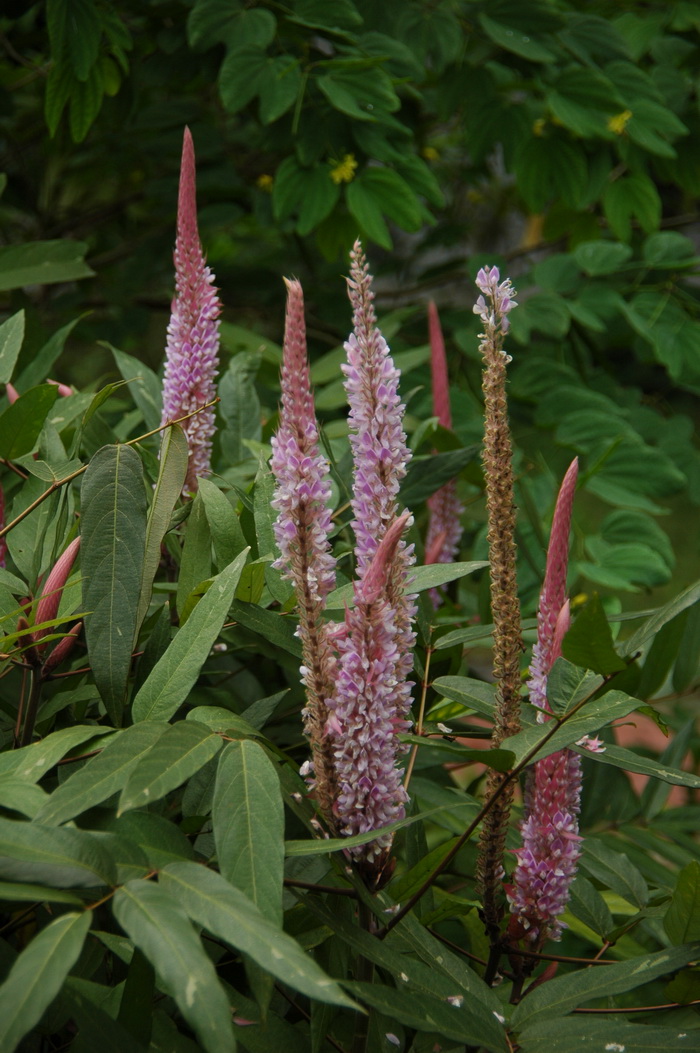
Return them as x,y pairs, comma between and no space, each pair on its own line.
559,143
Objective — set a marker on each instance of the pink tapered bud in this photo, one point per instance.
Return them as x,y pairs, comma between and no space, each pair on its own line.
47,608
11,392
374,582
63,389
62,649
438,369
192,349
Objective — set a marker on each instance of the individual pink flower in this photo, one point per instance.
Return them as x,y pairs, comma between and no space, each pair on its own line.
547,862
191,356
444,526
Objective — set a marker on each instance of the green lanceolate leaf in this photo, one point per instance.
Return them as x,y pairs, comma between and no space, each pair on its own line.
248,818
38,974
603,1036
21,423
11,337
174,453
472,694
144,385
42,263
615,870
174,675
217,906
33,761
61,858
160,928
195,566
113,528
223,522
173,758
589,642
682,920
102,776
422,578
630,761
561,995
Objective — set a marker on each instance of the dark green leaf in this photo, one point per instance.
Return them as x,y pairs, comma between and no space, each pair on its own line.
273,627
569,684
589,642
47,856
21,423
173,758
561,995
225,911
602,1036
423,578
160,928
248,818
601,257
223,522
587,904
38,974
113,528
172,678
42,263
33,761
615,869
427,474
629,761
144,385
472,694
515,40
195,566
101,776
11,892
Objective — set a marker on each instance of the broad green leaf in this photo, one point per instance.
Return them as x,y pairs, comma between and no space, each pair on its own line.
512,38
160,840
12,892
422,578
44,855
321,195
84,1001
33,761
425,475
587,904
102,775
172,678
42,263
615,870
160,928
632,196
226,912
174,454
568,684
248,818
337,844
38,974
11,337
21,423
365,208
18,795
177,754
594,715
610,1035
113,528
195,565
601,257
218,719
425,1012
240,407
559,996
682,919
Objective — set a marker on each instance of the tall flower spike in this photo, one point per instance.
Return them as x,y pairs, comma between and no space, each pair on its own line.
547,861
444,527
493,305
380,456
367,712
302,530
191,356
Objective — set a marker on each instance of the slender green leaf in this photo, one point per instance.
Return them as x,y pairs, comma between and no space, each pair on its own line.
610,1035
179,753
33,761
175,674
223,522
11,337
160,928
248,818
37,976
225,911
682,919
561,995
659,618
12,892
101,776
615,870
589,643
587,904
44,855
271,626
144,385
113,528
195,565
18,795
630,761
472,694
174,454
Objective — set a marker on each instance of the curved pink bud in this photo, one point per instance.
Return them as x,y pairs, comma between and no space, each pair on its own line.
47,608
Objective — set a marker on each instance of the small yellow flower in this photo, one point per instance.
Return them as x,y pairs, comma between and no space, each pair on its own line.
430,153
539,126
265,182
618,121
579,599
344,171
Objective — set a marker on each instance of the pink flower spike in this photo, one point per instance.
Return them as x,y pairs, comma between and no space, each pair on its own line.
191,357
47,608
